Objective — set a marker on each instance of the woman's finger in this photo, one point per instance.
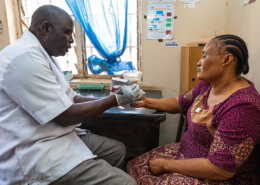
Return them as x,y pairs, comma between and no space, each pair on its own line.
136,102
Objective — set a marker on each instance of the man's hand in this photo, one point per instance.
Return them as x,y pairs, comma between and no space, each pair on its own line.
157,165
130,95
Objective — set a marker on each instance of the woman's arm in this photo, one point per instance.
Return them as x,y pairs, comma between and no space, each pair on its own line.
197,168
169,105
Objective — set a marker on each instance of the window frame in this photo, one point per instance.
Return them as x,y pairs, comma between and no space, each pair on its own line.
83,72
80,48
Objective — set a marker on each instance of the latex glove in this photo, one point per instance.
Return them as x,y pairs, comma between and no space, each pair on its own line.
130,95
142,102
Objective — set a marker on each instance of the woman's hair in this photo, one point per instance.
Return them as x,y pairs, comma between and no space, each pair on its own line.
237,47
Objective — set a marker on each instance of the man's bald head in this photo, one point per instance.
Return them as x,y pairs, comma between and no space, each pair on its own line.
50,13
53,28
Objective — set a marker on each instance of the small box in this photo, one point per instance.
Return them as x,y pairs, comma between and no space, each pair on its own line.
133,76
117,83
68,75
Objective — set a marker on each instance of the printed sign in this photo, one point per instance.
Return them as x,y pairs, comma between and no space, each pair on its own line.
160,19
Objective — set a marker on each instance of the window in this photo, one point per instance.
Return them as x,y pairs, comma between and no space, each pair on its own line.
70,60
27,7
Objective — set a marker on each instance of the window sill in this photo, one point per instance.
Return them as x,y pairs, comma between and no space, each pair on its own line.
76,81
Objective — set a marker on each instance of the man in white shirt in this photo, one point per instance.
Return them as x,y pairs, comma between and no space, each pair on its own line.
39,112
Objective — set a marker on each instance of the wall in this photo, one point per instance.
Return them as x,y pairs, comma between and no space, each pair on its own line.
14,24
9,16
161,66
244,21
4,37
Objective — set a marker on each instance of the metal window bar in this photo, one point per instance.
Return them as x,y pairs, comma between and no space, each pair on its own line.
139,34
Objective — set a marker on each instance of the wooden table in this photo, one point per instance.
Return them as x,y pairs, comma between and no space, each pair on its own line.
139,124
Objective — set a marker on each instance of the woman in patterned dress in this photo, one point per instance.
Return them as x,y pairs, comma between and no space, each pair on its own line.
221,145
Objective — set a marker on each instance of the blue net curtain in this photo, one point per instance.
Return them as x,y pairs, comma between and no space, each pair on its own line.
105,23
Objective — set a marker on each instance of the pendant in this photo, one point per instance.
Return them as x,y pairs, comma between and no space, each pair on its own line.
198,110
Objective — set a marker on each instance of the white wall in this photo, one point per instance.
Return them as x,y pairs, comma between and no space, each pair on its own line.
4,37
161,66
14,24
244,21
9,16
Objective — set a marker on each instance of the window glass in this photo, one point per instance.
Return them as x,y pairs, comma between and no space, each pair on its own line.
68,61
130,53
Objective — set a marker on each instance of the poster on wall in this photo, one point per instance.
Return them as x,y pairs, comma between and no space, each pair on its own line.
160,19
189,1
248,1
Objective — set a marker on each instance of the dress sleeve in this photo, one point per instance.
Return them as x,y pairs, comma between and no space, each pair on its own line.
187,99
30,82
235,137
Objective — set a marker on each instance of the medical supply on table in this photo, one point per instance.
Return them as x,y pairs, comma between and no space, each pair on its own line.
68,75
90,86
115,88
117,83
131,95
133,76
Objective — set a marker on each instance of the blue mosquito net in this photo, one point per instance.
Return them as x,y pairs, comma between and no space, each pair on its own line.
105,23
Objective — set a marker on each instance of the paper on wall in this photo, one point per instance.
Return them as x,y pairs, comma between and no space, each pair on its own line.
248,1
160,19
171,44
189,1
189,5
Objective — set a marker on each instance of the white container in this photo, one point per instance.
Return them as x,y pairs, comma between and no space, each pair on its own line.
68,75
115,81
133,76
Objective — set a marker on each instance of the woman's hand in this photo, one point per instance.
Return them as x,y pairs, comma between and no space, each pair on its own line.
157,165
143,98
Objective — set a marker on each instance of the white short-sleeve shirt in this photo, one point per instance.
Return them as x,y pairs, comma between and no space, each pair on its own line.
33,91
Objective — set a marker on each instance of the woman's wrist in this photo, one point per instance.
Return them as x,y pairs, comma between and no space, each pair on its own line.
147,103
166,166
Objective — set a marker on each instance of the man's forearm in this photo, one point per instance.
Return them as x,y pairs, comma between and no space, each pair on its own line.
81,99
81,112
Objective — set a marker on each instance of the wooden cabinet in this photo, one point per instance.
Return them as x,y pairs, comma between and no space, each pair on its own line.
190,56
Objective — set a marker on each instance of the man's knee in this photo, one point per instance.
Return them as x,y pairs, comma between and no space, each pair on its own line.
115,175
120,148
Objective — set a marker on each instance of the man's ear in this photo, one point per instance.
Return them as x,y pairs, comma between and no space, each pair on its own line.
227,59
45,28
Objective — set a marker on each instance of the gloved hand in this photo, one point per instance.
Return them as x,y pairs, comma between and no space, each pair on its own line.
143,102
130,95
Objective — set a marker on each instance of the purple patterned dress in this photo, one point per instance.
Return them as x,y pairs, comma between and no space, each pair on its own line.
226,134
